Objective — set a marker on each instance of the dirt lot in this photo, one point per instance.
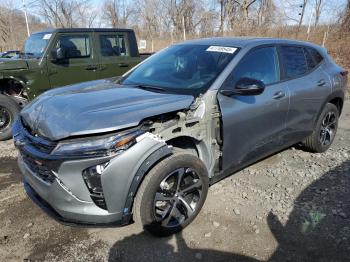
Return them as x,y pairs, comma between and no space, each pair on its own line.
293,206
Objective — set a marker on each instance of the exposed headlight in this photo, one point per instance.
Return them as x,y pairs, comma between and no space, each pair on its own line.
97,146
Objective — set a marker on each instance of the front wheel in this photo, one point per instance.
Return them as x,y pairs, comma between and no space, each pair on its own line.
9,110
326,128
171,195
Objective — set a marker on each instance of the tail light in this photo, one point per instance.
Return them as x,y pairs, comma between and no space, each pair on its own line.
344,73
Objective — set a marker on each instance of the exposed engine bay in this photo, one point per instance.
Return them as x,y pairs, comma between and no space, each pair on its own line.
196,130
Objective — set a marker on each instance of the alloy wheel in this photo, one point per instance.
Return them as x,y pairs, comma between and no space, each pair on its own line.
328,128
177,197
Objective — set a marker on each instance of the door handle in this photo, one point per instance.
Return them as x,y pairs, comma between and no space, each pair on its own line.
123,65
279,95
321,82
91,67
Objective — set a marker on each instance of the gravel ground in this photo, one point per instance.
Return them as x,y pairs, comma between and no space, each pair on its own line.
292,206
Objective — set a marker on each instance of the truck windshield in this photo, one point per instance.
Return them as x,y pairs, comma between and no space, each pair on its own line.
184,68
36,44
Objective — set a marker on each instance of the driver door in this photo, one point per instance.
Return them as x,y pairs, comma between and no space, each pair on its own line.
254,126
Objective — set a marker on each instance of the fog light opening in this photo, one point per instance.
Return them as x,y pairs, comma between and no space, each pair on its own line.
92,179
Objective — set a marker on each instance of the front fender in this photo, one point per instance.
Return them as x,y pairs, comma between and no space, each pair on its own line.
123,175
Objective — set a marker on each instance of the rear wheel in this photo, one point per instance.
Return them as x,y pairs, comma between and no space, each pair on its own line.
171,195
9,110
326,128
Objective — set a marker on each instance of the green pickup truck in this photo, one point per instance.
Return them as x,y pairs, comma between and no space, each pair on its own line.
59,57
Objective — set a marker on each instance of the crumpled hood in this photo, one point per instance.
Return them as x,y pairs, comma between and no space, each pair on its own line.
96,107
12,64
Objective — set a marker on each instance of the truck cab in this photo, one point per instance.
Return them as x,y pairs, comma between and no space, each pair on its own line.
59,57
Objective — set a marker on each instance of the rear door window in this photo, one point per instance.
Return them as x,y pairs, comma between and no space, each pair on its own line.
311,62
294,61
114,45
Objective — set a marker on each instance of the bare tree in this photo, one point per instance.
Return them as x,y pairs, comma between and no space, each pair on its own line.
244,6
12,25
64,13
180,10
301,14
346,18
5,26
318,4
266,12
116,12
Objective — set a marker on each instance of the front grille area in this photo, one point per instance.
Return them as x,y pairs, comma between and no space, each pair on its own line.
39,143
38,168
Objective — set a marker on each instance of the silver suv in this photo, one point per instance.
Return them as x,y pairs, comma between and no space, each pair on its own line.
147,146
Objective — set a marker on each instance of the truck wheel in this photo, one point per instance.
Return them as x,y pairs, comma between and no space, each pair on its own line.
9,110
326,128
171,195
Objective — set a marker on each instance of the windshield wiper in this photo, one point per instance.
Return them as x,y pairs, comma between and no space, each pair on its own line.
150,88
23,54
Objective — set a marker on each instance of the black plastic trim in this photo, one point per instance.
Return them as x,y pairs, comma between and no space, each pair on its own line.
150,161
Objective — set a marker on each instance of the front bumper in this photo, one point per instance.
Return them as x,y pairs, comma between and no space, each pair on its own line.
67,198
61,204
49,210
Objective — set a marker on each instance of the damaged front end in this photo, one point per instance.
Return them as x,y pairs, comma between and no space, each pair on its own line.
85,180
196,130
92,179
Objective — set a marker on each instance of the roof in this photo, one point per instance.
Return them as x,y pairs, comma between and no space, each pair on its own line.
82,30
241,42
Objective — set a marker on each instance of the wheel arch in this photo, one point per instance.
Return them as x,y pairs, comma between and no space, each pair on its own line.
186,143
8,79
15,88
193,146
153,159
336,98
338,102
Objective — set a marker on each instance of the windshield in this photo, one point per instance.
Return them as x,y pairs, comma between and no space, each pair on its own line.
187,69
36,44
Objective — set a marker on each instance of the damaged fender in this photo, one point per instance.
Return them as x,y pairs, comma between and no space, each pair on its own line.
124,174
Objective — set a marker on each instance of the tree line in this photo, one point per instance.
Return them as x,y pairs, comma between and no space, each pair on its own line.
176,20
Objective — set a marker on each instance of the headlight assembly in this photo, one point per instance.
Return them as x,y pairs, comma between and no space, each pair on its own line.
107,145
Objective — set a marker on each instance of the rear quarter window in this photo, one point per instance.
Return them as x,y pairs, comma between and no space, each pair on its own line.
294,61
317,57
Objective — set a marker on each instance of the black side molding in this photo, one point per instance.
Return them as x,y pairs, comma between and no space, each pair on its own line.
155,157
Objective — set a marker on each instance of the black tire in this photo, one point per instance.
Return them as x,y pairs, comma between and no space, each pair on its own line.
9,110
144,208
314,142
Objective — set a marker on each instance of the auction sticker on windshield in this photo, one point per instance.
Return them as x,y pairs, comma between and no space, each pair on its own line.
221,49
47,36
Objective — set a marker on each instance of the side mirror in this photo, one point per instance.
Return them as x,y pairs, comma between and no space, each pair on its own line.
58,54
245,87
